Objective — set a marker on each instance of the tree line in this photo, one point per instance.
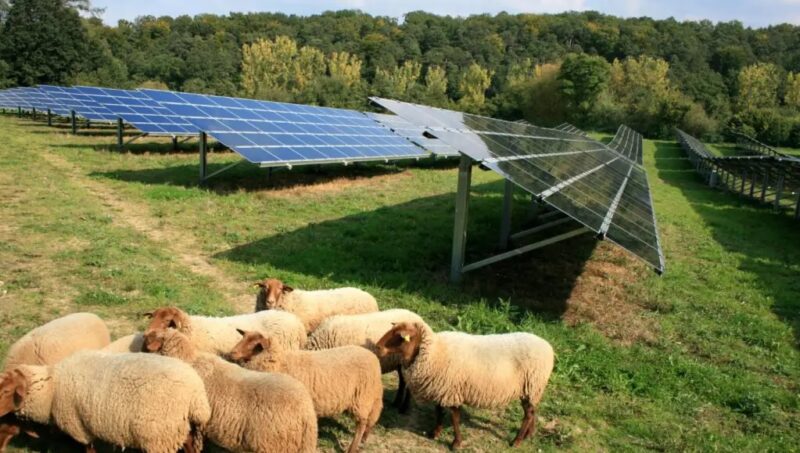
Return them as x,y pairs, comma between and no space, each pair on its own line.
591,69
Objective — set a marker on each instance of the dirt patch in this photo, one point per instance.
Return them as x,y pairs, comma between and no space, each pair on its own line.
602,296
335,185
181,245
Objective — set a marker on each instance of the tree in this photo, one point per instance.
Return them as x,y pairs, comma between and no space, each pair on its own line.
43,41
792,96
758,86
308,66
472,86
345,68
541,99
583,78
398,82
435,92
266,67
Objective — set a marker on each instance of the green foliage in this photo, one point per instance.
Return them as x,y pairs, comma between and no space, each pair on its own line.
583,78
472,87
42,41
435,92
543,103
400,81
758,86
792,96
5,76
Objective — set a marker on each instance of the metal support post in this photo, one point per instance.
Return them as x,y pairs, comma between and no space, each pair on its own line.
88,124
460,223
753,187
19,112
764,185
505,222
744,179
203,156
74,121
797,208
712,178
778,192
49,117
120,137
174,143
33,114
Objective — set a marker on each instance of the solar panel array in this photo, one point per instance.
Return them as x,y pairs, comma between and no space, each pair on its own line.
139,110
71,100
751,146
272,133
414,133
628,142
567,127
581,177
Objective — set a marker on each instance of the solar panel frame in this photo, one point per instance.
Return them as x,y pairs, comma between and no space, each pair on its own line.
577,175
277,134
38,99
139,110
415,134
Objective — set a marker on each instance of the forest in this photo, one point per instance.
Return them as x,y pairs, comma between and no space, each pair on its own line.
595,70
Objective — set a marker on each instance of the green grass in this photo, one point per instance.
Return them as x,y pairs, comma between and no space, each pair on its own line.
716,368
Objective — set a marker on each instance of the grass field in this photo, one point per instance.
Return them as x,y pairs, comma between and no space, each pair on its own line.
703,358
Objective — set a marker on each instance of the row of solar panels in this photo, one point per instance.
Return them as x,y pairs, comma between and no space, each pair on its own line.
592,183
266,133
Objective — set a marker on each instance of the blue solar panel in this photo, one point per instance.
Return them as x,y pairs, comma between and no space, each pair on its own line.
139,110
11,98
272,133
80,103
39,100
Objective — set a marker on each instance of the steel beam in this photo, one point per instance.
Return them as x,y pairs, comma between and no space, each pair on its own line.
174,143
49,117
461,214
73,121
538,228
764,185
519,251
779,192
120,137
505,221
203,156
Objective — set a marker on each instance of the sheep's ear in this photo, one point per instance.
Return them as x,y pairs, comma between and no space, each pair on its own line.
20,388
148,315
241,332
287,289
259,285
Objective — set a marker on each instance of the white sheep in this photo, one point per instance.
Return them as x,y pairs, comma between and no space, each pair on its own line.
250,411
128,343
344,379
142,401
218,335
312,307
50,343
454,369
365,330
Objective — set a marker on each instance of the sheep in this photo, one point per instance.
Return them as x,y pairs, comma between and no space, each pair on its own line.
128,343
312,307
365,330
218,335
152,403
454,369
60,338
250,411
341,379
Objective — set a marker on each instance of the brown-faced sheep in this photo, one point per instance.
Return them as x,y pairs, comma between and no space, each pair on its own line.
128,343
312,307
142,401
365,330
454,369
218,335
344,379
250,411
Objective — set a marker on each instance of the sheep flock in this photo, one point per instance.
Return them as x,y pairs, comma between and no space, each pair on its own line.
258,382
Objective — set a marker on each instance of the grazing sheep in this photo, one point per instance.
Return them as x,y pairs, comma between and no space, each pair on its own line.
128,343
50,343
454,369
365,330
218,335
312,307
250,411
345,379
142,401
47,345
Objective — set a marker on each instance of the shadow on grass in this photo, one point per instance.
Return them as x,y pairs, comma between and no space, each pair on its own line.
407,246
767,240
140,147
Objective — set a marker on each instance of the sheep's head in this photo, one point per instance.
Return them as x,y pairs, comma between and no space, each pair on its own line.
13,388
403,338
169,343
166,318
251,344
270,294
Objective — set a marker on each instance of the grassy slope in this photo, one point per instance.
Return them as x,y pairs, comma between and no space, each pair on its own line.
720,372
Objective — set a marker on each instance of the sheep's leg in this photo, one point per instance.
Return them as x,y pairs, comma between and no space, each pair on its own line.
439,422
401,386
528,423
188,446
90,448
360,429
455,412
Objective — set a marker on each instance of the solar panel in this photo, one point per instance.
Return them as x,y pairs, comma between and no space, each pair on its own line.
69,99
139,110
581,177
11,98
272,134
39,100
567,127
628,142
414,133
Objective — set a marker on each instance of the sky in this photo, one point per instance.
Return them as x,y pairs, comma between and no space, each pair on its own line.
755,13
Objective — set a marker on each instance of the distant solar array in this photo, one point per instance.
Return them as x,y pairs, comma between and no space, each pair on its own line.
70,99
766,177
628,142
272,133
580,177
